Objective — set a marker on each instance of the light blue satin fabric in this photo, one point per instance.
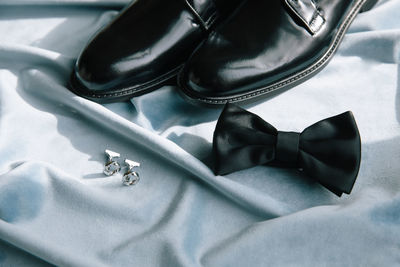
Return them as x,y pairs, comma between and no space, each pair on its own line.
57,208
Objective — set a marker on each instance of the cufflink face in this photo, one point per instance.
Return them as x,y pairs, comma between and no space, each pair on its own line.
111,167
131,177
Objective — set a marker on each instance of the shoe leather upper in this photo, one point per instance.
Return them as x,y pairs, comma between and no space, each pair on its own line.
263,42
148,40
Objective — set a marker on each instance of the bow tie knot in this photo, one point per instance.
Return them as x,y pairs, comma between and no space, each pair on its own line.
287,148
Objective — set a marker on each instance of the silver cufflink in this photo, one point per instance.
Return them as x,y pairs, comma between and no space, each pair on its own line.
131,177
111,167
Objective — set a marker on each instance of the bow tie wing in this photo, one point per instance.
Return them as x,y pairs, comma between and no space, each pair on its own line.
242,140
330,152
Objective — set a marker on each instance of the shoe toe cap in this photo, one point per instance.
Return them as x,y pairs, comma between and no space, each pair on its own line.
93,72
218,77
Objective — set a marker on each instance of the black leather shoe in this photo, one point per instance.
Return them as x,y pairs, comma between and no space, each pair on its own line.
265,46
144,46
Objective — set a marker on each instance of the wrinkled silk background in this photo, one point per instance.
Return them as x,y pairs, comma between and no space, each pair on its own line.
57,208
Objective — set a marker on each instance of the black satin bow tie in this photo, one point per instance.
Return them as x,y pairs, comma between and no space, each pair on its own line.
329,151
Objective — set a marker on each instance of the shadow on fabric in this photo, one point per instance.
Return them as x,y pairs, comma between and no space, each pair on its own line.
398,93
17,255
